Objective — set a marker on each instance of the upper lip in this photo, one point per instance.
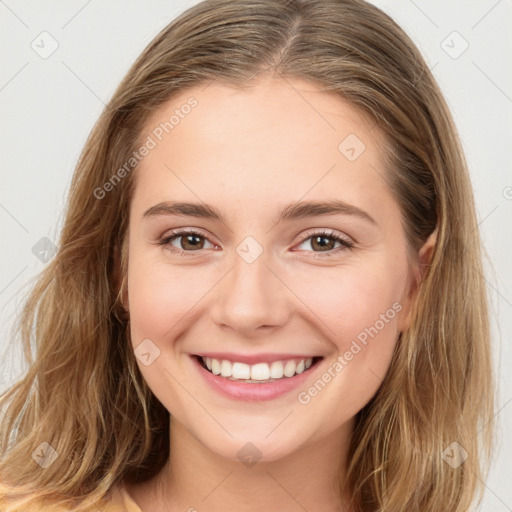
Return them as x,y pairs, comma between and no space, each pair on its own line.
253,358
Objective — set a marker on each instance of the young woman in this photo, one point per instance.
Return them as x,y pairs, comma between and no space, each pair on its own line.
268,291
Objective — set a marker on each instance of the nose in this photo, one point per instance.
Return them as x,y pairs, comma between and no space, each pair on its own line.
252,298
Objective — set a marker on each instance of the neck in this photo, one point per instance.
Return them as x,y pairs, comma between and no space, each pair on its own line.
195,478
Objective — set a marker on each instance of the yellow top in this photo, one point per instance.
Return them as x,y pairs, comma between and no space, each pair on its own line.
120,501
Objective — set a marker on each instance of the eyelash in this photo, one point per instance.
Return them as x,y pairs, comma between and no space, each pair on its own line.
345,244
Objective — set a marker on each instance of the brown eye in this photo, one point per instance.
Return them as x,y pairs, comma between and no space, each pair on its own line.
185,241
325,242
191,242
322,243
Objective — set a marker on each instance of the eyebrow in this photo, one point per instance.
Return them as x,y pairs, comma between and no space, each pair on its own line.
292,211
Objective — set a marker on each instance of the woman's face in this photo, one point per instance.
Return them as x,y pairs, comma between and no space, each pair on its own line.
265,276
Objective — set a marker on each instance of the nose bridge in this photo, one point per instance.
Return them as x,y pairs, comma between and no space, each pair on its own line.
251,295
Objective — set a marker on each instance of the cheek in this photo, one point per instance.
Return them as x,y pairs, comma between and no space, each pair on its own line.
360,313
349,301
162,300
160,296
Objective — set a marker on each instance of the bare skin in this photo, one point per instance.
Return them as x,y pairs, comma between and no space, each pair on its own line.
249,154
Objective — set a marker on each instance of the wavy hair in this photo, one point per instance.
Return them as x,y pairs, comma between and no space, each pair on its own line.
82,392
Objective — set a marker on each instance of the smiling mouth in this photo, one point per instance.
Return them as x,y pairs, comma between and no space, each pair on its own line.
259,373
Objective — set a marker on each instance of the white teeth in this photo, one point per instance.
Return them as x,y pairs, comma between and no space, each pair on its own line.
276,370
260,371
215,366
225,368
241,371
289,369
257,372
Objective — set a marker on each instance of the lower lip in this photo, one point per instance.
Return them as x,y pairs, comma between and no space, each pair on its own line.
256,391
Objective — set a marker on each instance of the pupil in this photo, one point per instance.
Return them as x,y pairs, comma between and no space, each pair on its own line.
189,239
322,245
192,241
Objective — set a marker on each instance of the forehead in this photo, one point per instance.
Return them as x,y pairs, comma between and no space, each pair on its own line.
276,141
294,109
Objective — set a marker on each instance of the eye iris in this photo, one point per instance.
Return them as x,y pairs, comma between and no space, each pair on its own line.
187,239
323,247
195,242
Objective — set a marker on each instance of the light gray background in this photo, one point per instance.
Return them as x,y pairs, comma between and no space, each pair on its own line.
48,106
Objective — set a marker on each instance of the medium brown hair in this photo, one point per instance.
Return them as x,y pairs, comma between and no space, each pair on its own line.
83,393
